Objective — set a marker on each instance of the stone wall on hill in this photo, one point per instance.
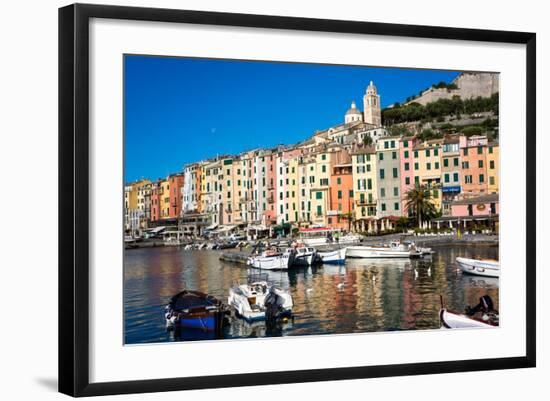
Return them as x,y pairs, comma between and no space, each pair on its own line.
470,84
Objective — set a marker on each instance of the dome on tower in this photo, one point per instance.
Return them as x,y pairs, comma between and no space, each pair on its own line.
353,114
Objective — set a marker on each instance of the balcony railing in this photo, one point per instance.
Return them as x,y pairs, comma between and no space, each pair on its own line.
365,202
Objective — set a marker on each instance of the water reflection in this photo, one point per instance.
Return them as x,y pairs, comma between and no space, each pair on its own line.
360,296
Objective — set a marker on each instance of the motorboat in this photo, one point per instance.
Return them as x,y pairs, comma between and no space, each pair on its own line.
482,315
195,310
422,250
303,255
259,300
394,249
487,268
337,256
271,260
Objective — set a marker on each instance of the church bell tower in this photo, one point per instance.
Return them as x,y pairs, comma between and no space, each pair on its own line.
371,103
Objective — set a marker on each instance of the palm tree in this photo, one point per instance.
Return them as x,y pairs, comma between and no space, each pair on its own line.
419,202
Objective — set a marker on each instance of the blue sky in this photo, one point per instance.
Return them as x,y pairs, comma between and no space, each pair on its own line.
181,110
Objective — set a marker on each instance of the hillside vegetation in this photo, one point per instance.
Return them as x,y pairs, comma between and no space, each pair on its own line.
437,110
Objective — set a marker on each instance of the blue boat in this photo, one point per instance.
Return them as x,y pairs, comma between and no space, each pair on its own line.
195,310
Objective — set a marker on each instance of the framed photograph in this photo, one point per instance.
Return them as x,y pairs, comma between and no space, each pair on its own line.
250,199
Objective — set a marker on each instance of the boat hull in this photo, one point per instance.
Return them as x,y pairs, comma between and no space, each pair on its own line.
484,268
367,252
337,257
269,263
195,310
303,260
206,323
451,320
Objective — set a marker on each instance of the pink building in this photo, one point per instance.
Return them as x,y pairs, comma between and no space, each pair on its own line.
476,213
270,214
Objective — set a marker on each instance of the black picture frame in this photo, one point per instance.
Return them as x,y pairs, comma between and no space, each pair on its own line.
74,198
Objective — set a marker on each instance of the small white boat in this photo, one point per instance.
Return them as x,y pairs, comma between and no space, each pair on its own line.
453,320
258,300
337,256
394,250
303,256
271,260
487,268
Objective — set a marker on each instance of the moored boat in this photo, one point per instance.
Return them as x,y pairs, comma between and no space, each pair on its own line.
482,315
453,320
259,300
303,255
394,250
271,260
487,268
195,310
337,256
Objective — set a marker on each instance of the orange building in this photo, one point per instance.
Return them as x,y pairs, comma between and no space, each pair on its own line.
340,201
473,155
340,213
156,194
175,185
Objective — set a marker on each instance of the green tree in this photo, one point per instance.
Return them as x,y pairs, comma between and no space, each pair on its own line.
367,140
473,130
399,130
419,203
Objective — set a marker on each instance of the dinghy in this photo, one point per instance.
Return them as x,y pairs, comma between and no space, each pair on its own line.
453,320
481,316
195,310
487,268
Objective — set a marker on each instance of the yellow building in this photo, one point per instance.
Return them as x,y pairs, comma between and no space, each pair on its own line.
137,204
164,199
365,191
427,168
211,195
320,187
292,207
493,168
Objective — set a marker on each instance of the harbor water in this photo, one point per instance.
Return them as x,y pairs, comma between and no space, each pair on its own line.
364,295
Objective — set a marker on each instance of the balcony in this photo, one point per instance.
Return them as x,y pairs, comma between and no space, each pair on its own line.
365,202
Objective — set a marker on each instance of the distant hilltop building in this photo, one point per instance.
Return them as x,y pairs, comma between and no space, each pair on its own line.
469,85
